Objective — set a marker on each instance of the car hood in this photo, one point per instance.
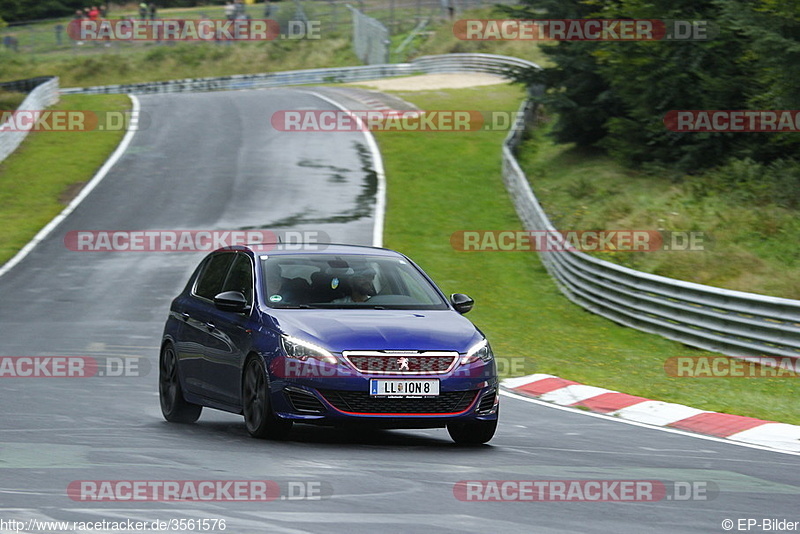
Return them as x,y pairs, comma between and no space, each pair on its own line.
339,330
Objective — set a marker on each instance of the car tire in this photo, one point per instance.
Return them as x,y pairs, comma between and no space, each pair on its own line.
173,405
473,432
259,418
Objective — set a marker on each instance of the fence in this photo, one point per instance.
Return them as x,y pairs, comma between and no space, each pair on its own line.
398,16
51,36
333,17
42,92
370,39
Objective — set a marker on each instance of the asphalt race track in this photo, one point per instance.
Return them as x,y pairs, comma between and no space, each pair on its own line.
211,161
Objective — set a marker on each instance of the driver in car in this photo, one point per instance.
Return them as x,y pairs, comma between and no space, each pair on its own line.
361,289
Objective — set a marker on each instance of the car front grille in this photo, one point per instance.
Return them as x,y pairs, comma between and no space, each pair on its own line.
402,362
362,402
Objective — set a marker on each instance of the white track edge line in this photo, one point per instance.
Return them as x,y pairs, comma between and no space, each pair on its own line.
645,425
377,163
98,177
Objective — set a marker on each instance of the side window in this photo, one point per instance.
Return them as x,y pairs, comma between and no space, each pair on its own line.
209,284
240,277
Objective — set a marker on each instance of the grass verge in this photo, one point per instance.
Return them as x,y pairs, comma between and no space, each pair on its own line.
122,63
442,182
40,178
180,61
11,100
748,246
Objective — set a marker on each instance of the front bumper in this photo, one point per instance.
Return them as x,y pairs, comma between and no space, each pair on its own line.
316,392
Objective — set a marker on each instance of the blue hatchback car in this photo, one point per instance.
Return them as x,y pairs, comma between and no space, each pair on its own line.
325,334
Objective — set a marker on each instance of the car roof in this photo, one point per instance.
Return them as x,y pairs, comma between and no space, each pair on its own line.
287,249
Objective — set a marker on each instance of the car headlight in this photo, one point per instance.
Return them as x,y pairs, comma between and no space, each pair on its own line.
480,351
304,351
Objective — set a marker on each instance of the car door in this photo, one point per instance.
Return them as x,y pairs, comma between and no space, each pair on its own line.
229,339
197,316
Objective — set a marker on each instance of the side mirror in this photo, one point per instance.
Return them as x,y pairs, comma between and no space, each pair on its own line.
231,301
461,302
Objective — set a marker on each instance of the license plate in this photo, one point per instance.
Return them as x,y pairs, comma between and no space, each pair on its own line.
404,387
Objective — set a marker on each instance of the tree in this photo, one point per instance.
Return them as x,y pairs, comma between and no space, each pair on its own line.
577,93
615,94
652,78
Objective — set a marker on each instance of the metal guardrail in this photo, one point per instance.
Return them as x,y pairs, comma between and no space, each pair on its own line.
739,324
24,86
735,323
42,92
466,63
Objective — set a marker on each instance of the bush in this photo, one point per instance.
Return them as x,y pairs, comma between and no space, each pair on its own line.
749,182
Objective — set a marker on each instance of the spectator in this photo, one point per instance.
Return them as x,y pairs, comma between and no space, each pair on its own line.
152,11
78,16
143,11
10,42
229,10
59,31
450,7
94,13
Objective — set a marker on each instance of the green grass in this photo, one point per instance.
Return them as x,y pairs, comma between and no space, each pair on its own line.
439,183
442,41
41,176
93,64
41,37
121,63
748,247
11,100
185,60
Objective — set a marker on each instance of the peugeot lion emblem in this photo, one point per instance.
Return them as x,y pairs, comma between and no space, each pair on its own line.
403,363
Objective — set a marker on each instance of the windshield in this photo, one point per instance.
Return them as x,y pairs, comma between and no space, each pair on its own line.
346,281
